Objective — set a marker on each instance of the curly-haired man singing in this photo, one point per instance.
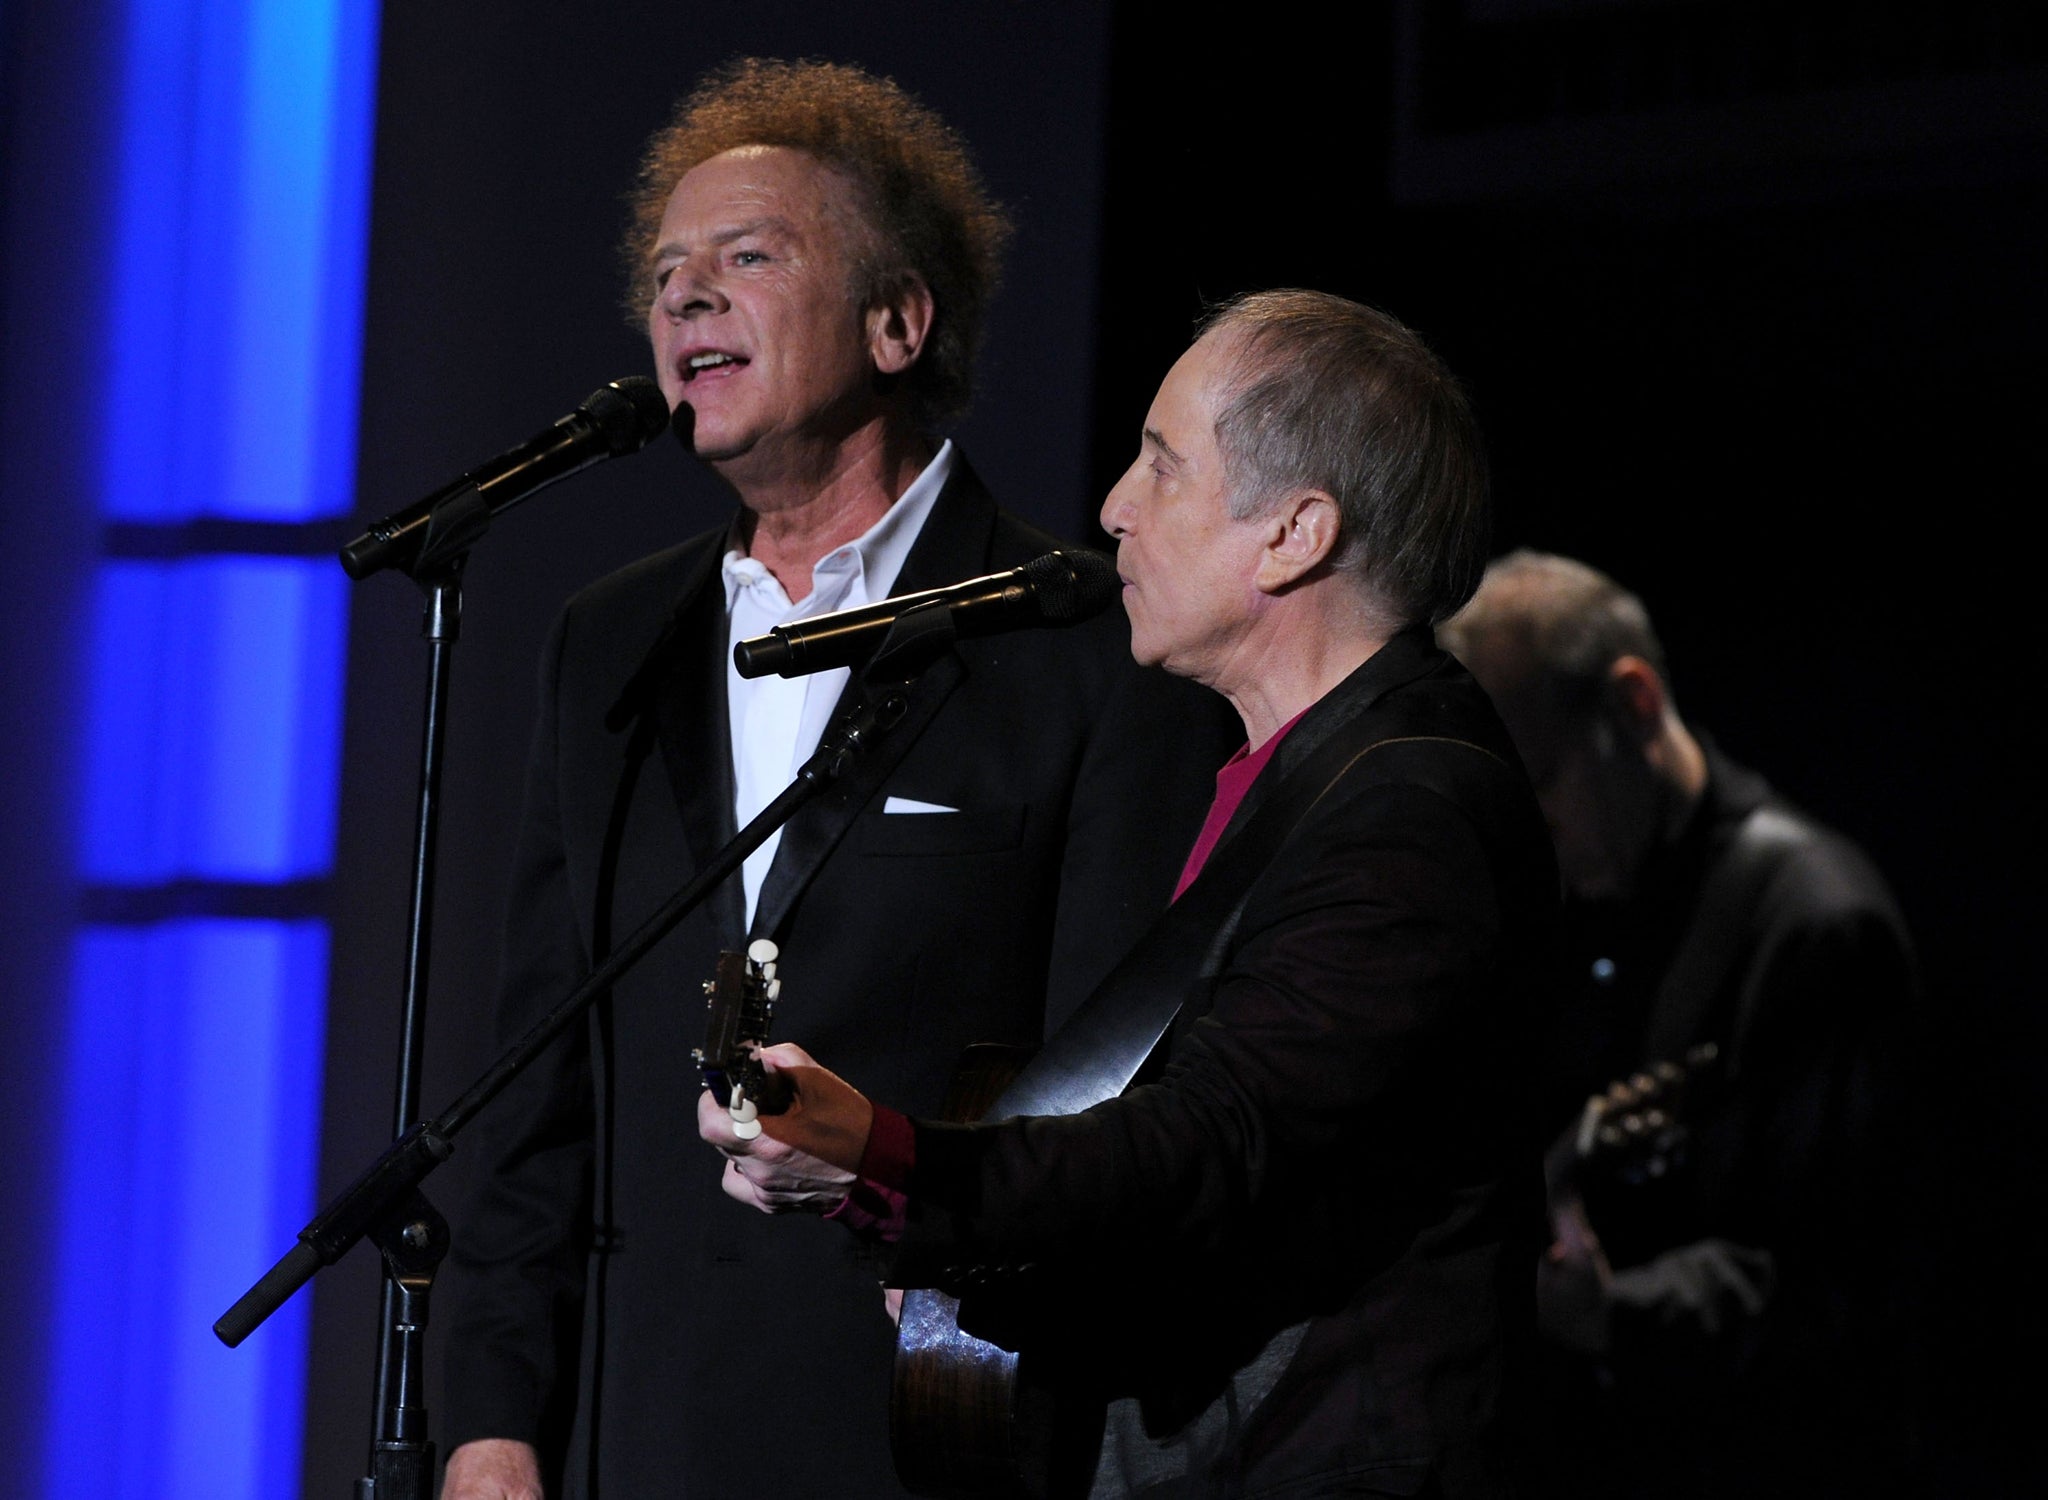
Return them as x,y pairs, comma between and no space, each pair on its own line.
812,255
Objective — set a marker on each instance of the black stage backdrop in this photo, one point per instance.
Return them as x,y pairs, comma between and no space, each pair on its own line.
1748,298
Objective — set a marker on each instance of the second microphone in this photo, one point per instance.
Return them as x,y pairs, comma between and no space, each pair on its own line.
1060,588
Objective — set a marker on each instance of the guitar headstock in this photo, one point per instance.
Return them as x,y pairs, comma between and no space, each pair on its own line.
1639,1129
739,1001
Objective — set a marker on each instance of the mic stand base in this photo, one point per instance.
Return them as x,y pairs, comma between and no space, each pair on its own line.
399,1471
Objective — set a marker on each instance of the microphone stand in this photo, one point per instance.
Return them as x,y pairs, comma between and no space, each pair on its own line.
411,1234
414,1242
385,1203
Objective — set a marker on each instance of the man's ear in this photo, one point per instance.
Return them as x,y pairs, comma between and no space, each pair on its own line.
1300,535
899,323
1636,696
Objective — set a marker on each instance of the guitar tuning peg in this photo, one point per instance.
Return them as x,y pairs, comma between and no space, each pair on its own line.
763,951
746,1119
774,989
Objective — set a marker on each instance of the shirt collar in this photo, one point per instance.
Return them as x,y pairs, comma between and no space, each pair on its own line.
857,572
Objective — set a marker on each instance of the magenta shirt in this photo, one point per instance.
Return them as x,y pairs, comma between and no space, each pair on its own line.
1232,783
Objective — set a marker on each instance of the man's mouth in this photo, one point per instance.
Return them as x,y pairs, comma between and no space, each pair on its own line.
701,364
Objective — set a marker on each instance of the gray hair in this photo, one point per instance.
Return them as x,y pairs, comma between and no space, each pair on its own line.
1331,395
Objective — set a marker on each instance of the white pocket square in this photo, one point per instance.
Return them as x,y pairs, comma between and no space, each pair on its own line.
912,805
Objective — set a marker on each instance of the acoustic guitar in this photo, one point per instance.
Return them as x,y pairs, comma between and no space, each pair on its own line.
968,1419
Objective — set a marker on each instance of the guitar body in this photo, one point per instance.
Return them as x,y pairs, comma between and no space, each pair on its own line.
966,1419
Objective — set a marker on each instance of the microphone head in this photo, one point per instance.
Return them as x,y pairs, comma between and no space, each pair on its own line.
629,412
1071,584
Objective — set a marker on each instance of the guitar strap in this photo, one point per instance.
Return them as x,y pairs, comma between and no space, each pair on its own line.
1101,1048
1692,1004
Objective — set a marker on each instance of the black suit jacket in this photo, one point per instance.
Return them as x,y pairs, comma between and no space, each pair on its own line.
608,1302
1338,1142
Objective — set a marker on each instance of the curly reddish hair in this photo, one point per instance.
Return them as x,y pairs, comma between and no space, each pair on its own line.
917,190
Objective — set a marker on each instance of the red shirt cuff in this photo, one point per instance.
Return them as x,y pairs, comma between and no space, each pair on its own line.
878,1204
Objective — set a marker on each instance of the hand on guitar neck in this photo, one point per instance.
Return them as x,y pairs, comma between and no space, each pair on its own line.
739,1000
1635,1132
792,1133
803,1159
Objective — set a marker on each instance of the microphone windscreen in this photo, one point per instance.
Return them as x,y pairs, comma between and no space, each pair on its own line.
1071,584
629,412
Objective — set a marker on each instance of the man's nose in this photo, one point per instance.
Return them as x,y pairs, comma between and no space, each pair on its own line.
1116,508
692,288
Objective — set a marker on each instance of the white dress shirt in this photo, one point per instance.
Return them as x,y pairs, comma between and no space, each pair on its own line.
776,722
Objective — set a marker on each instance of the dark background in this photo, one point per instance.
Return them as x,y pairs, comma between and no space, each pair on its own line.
1749,298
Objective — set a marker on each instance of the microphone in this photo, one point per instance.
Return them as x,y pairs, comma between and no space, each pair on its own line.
619,418
1060,588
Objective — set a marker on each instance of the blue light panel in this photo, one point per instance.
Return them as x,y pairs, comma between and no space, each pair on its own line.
193,1088
235,293
216,720
232,342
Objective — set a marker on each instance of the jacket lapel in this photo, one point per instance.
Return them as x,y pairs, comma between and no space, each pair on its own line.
952,547
682,685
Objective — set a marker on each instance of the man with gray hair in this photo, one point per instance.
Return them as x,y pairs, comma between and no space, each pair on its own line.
1733,973
1293,1255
